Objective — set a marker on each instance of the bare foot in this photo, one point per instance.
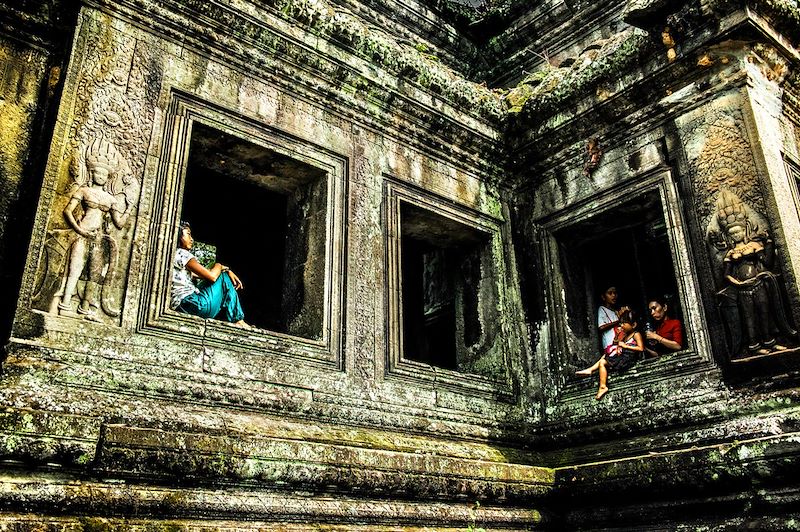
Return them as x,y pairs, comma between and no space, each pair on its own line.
601,392
243,324
584,372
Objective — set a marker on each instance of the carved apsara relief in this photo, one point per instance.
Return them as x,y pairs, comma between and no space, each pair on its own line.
104,193
750,299
82,272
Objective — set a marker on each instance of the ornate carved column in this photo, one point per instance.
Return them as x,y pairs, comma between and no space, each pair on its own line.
734,145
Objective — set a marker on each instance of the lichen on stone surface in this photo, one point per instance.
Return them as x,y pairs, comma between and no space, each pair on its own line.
784,13
380,49
547,88
488,12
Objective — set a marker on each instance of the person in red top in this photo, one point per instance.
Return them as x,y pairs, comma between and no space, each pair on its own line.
668,336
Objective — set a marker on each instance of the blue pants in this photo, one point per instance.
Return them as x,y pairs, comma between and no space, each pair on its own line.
217,300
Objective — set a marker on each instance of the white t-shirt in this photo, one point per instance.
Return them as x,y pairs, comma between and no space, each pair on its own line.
182,284
606,315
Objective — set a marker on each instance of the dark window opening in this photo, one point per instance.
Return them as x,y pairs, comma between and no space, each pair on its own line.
627,247
794,174
265,213
444,286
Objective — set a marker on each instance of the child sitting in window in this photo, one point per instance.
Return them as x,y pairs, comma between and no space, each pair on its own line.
607,317
621,355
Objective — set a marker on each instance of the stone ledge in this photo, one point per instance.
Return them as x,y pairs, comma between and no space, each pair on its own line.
770,460
204,447
96,386
82,506
736,485
324,465
33,436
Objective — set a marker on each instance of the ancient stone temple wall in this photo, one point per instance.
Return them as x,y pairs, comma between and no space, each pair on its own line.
681,182
421,256
23,70
552,33
106,377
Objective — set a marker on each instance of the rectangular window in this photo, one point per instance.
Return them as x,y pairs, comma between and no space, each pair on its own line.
446,293
270,206
627,246
265,213
441,281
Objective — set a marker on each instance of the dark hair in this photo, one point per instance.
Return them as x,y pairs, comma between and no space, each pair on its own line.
181,226
607,287
627,316
661,300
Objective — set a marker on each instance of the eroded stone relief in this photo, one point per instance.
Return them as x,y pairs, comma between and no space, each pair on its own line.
102,197
594,152
731,207
750,300
769,62
724,159
82,272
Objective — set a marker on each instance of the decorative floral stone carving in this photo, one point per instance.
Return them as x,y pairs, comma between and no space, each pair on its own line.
769,62
750,300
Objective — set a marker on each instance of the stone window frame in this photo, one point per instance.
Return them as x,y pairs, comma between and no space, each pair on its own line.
792,165
395,192
183,111
698,355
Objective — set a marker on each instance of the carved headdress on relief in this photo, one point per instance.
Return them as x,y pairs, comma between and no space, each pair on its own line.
731,211
98,153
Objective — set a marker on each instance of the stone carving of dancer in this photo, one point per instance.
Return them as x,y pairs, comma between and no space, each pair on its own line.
102,197
751,289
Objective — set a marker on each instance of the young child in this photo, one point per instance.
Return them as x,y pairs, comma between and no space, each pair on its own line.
608,318
622,354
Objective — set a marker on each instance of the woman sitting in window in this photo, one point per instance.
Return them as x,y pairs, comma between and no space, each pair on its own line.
215,296
621,355
668,336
